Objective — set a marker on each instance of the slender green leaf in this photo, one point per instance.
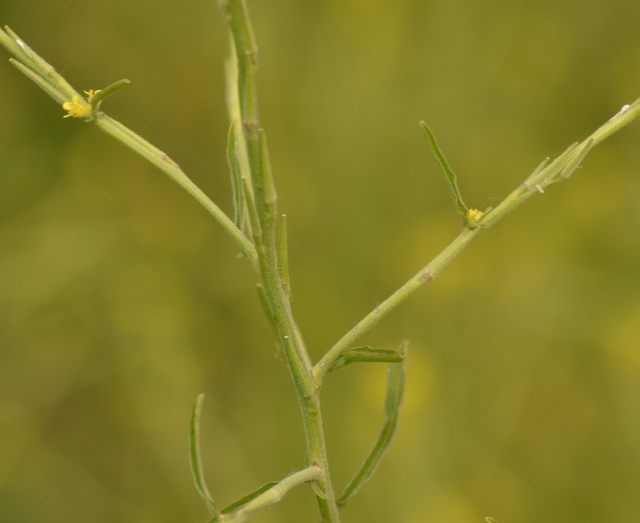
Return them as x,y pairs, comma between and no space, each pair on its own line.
392,406
490,520
283,254
449,175
249,497
246,52
253,227
239,202
100,95
270,195
558,164
368,354
533,178
196,461
574,163
318,491
240,153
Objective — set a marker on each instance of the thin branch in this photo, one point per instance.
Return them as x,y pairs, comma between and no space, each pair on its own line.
274,494
543,176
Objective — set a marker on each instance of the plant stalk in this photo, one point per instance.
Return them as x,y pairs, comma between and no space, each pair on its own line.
543,177
172,169
271,253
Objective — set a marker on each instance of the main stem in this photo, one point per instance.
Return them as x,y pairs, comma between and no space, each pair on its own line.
270,253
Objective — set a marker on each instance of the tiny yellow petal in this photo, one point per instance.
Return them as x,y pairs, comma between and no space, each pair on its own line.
90,93
75,108
474,214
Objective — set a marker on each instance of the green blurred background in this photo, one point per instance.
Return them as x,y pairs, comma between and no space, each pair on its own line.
120,300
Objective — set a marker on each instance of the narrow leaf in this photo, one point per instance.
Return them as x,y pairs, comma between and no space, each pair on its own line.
449,175
196,461
576,160
490,520
237,188
253,227
107,91
368,354
559,163
317,491
231,84
533,176
251,496
392,406
269,186
283,254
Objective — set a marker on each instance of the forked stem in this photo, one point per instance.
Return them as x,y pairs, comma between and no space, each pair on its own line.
262,238
544,176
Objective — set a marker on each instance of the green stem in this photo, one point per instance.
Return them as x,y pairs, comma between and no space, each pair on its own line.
36,64
271,251
543,176
274,494
172,169
424,276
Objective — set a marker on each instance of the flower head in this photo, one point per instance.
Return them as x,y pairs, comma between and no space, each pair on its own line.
76,108
473,215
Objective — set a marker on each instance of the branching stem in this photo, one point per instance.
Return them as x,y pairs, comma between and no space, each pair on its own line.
544,176
271,251
264,243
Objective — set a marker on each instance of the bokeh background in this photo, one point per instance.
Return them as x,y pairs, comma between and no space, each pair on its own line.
120,300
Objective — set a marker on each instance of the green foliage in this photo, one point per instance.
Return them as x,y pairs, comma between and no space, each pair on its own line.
392,405
260,233
368,355
196,459
449,175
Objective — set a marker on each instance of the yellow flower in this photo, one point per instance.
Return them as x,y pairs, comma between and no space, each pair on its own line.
75,108
90,93
473,215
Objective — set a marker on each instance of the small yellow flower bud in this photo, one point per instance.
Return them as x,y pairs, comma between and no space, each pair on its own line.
90,93
75,108
473,215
